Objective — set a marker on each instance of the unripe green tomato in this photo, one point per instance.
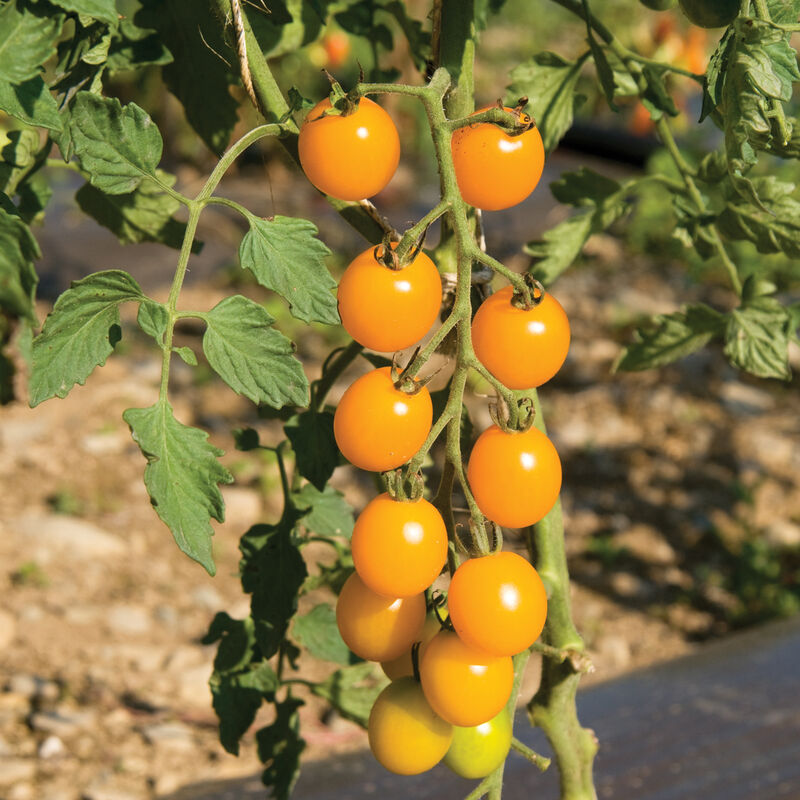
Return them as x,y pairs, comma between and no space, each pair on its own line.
710,13
475,752
658,5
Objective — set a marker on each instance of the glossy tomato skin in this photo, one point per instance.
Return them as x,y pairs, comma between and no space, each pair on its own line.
350,157
481,749
379,427
464,686
378,628
386,309
497,603
515,477
399,548
403,666
495,170
522,348
405,734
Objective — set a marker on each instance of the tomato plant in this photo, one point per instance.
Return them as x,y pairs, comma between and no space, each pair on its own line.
349,155
497,603
496,170
379,426
481,749
388,309
515,477
405,734
523,348
399,548
464,686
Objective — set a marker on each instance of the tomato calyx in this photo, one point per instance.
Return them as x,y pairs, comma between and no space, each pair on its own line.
526,300
518,423
402,487
408,384
343,104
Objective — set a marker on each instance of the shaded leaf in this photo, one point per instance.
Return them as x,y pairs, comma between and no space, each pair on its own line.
250,356
280,747
134,47
326,512
314,445
80,333
182,477
285,256
318,633
30,102
352,691
102,10
757,338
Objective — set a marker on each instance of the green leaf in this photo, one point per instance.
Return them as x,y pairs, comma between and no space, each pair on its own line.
352,691
246,439
117,146
280,747
237,642
657,99
286,257
250,356
287,25
101,10
143,215
18,156
34,195
134,47
27,40
314,445
30,102
669,337
605,73
182,477
419,40
186,355
548,81
559,247
7,372
80,333
198,76
153,319
18,279
326,512
318,633
272,571
757,338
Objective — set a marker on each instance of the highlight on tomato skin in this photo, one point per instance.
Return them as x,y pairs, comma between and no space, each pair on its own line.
522,348
496,170
514,477
498,603
388,309
405,735
379,427
350,157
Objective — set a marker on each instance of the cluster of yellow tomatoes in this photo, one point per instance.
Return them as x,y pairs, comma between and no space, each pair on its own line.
451,679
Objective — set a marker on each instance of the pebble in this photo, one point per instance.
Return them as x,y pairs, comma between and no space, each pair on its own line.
129,620
32,686
48,535
62,722
8,629
169,735
51,747
208,598
16,770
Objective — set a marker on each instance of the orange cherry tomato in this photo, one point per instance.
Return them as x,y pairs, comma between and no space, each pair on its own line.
497,603
337,48
389,309
399,548
494,169
515,477
405,734
350,157
378,426
378,628
522,348
464,686
403,666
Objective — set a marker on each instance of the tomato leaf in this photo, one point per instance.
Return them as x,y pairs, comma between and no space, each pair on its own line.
153,319
117,146
326,512
182,477
143,215
133,47
272,570
314,445
198,76
80,333
18,250
31,102
668,337
250,356
352,691
285,256
757,338
101,10
318,633
27,39
280,747
548,81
